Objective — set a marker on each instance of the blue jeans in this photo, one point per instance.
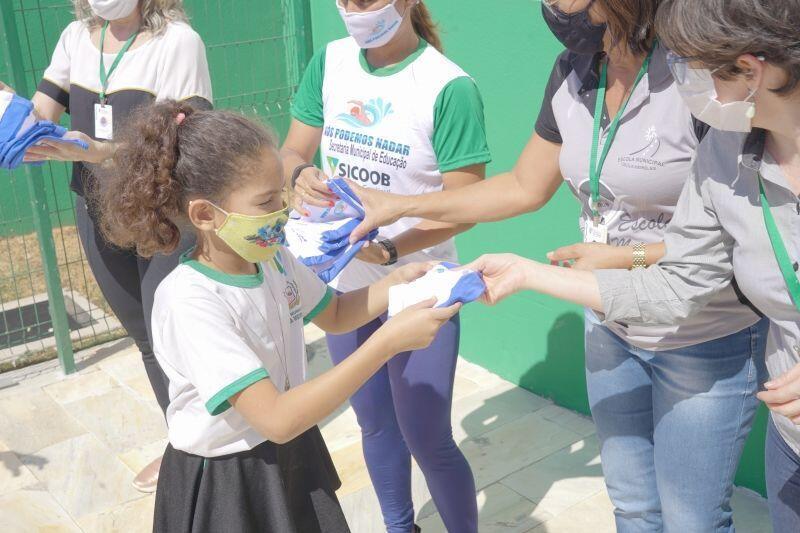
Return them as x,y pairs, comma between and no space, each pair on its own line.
783,482
404,411
672,425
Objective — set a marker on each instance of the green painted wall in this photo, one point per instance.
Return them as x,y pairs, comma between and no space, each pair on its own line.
531,340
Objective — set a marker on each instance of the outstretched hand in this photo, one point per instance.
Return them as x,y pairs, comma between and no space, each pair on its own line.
592,256
380,208
503,274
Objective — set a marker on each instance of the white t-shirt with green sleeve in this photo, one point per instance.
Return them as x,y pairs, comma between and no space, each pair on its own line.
396,129
216,334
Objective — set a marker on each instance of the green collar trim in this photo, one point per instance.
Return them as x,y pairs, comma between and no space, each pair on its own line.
391,69
244,281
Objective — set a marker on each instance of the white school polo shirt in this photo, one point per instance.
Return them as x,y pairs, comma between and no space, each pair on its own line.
215,334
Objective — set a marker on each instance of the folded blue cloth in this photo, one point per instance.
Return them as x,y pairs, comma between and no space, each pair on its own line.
339,238
19,130
443,282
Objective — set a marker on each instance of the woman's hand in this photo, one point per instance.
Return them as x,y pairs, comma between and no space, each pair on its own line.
4,87
373,253
416,327
592,256
97,153
381,209
503,274
310,188
783,395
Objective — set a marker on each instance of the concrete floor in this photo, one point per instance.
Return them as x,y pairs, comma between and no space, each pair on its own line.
70,446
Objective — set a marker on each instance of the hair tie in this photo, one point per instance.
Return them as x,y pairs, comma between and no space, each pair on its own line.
179,118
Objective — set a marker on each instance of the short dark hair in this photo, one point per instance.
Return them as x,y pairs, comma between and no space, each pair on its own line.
716,32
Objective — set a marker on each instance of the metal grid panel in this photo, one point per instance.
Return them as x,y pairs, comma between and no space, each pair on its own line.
256,53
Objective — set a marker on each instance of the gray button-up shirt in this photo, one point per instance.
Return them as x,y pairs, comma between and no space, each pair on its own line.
718,232
648,165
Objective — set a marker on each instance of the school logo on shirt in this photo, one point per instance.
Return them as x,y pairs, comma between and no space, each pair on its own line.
292,294
645,158
365,115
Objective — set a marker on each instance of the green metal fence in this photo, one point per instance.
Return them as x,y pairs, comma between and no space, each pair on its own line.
49,301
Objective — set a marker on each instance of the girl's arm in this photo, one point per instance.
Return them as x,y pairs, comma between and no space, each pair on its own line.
531,183
429,233
281,417
352,310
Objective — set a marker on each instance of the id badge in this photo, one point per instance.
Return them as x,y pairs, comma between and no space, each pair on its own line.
595,232
103,122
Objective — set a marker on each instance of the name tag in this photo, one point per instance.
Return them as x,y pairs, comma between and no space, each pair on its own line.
103,122
595,232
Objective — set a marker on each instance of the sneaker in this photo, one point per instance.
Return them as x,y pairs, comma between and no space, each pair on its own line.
147,479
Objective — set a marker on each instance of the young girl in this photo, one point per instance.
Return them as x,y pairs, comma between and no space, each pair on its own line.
388,110
244,454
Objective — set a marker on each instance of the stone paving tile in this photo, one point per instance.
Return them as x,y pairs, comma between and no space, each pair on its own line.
500,510
119,420
490,408
562,479
13,474
352,470
132,517
25,511
30,420
595,515
138,458
81,386
511,447
84,476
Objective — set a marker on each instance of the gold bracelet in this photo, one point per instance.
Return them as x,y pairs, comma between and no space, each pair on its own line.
639,255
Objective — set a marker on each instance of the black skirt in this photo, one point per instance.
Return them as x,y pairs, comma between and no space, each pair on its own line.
288,488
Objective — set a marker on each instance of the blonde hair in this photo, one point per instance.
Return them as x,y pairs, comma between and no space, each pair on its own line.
156,14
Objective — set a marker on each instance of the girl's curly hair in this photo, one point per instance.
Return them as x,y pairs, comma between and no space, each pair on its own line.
168,154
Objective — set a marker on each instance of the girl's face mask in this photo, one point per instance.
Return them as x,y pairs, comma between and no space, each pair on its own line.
255,238
372,29
696,86
576,31
113,9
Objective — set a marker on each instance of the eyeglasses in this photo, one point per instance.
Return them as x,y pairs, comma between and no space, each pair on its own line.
681,69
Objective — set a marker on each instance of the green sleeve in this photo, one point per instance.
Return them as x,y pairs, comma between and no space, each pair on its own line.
459,127
307,104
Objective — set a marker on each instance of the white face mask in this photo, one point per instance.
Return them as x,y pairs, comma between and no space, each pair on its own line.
113,9
697,88
372,29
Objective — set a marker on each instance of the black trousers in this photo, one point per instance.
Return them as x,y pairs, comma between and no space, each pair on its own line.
128,282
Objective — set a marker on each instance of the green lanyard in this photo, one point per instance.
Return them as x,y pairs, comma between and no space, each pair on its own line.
103,74
595,166
781,255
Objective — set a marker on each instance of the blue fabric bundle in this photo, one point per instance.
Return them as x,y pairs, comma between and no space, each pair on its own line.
19,130
322,240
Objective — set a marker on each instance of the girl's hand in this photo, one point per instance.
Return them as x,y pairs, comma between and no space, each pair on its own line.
381,208
97,153
410,272
310,189
783,395
592,256
503,274
373,253
416,327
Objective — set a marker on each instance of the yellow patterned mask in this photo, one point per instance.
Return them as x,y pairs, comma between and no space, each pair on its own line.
255,238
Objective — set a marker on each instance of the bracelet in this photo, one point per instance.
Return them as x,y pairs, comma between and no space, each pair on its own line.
298,170
639,255
391,248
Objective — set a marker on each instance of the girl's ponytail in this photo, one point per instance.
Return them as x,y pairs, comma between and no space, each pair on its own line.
425,27
139,196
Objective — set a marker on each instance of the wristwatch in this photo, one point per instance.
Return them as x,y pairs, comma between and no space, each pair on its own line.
391,249
639,255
